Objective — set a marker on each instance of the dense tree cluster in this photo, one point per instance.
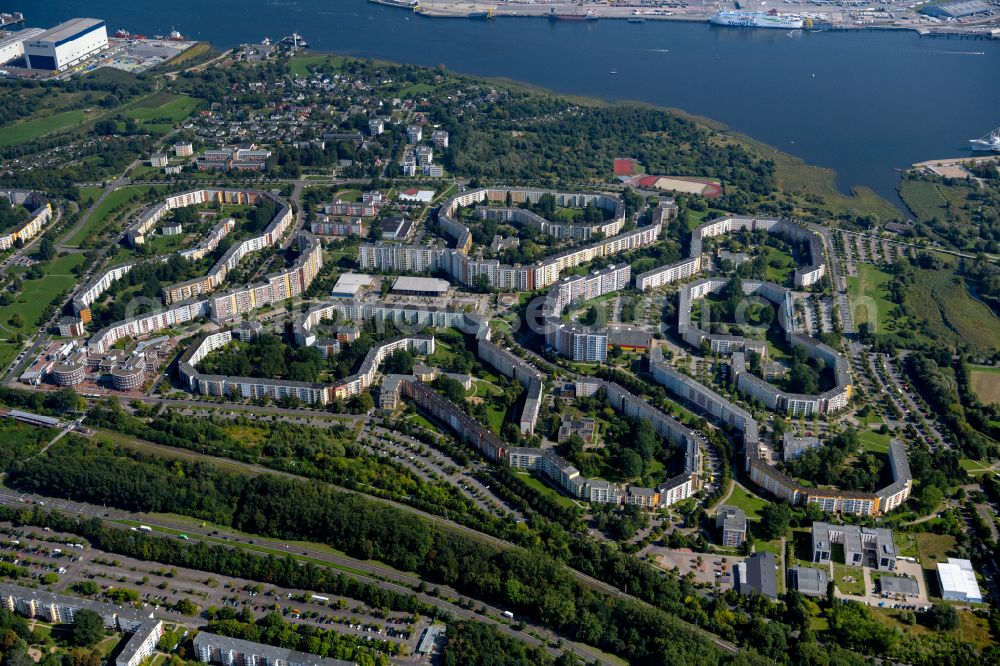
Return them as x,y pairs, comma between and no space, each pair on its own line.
11,216
935,378
528,582
824,465
267,357
521,140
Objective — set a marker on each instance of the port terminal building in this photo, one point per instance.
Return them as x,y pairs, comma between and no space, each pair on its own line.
67,44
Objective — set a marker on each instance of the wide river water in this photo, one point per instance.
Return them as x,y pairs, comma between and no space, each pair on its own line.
863,103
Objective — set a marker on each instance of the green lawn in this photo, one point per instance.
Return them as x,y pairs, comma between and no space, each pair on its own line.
300,65
28,130
928,199
349,195
540,486
906,544
494,418
855,587
171,108
694,217
780,265
88,195
975,467
870,284
874,442
420,420
8,352
37,294
751,504
931,549
985,382
101,213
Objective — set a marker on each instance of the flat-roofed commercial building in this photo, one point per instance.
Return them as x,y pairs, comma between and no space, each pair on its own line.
958,581
809,581
863,546
66,44
420,286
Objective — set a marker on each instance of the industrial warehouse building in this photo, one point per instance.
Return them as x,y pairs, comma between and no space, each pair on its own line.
958,581
956,10
66,44
12,45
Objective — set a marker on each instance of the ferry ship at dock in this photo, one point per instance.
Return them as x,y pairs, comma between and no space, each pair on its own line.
989,143
771,19
591,15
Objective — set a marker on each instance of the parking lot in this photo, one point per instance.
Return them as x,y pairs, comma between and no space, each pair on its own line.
67,560
704,567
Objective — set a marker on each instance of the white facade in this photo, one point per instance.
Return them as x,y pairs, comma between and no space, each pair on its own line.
12,46
958,581
66,44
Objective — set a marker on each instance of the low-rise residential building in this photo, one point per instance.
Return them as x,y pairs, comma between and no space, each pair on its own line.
731,522
234,158
582,427
396,228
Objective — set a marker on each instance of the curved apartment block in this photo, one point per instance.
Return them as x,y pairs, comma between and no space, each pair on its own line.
464,269
275,287
754,387
136,232
730,415
685,268
503,360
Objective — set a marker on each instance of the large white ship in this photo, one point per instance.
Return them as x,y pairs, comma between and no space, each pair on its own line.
771,19
988,143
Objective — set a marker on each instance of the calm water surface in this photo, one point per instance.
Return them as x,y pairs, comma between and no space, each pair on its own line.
862,103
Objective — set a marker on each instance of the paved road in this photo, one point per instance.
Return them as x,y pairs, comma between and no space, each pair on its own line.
451,525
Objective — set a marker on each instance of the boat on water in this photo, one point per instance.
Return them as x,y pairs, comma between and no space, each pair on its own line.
408,4
122,34
989,143
591,15
482,16
636,20
175,36
296,41
770,19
